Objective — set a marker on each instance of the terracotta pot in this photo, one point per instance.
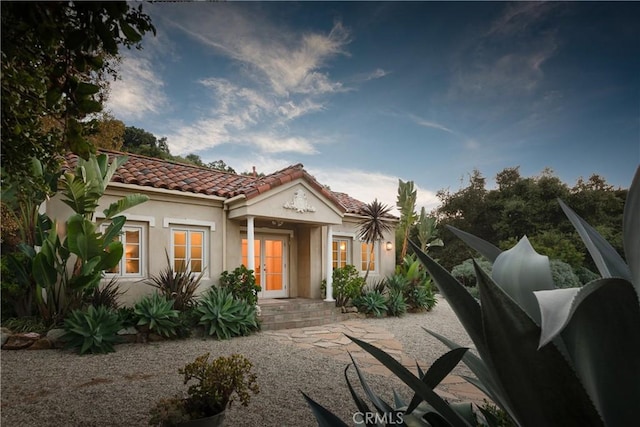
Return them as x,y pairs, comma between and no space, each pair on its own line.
212,421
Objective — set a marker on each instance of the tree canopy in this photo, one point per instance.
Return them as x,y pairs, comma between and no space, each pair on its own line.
529,206
57,59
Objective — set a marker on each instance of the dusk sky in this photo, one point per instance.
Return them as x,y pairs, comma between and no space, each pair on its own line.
365,93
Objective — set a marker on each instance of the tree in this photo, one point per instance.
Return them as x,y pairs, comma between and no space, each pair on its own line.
406,203
427,231
56,60
373,226
109,133
139,141
221,166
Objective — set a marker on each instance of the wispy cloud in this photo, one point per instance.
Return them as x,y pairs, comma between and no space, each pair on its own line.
520,16
507,59
290,62
281,77
469,143
243,116
139,91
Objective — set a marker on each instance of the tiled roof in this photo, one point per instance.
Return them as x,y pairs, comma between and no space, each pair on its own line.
158,173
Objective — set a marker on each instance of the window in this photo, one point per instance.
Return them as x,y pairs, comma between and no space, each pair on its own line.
132,258
188,247
341,251
368,256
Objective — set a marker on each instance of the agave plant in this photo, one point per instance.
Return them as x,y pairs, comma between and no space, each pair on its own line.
371,303
225,316
156,312
546,356
94,330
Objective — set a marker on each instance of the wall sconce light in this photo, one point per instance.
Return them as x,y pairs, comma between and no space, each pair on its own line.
389,246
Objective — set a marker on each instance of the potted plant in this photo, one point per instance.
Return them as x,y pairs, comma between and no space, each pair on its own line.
216,384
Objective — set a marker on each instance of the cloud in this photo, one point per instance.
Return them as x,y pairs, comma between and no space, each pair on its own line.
289,62
507,59
469,143
519,17
244,116
367,186
138,92
281,78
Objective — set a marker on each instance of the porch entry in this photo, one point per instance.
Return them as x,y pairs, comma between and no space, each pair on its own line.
270,260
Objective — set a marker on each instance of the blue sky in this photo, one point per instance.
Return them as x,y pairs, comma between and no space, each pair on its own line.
365,93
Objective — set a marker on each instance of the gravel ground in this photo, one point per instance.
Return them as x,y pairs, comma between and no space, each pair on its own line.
58,388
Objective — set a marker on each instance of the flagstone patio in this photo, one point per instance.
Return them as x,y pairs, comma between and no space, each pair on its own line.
332,340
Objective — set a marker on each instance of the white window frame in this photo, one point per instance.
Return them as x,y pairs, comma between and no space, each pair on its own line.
205,247
376,255
122,266
335,256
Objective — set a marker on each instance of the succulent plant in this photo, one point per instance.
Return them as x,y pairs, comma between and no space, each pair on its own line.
93,330
225,316
157,312
371,303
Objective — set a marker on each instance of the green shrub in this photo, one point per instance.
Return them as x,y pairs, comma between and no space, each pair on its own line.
585,275
372,303
93,330
421,297
347,284
127,316
465,273
396,306
179,286
418,294
107,295
397,283
25,324
156,312
225,316
377,286
241,282
213,386
563,275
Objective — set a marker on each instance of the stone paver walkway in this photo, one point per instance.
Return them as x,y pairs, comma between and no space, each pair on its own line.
332,340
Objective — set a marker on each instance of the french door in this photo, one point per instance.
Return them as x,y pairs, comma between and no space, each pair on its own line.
270,261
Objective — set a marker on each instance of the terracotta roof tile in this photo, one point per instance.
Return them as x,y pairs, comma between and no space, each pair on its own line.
158,173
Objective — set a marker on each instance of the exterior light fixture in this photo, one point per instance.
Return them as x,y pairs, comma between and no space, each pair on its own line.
389,246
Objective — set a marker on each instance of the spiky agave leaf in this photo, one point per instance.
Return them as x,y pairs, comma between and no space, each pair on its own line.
541,387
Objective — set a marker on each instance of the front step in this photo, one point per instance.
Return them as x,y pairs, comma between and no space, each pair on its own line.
298,313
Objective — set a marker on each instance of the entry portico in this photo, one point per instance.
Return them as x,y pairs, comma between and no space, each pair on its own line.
293,210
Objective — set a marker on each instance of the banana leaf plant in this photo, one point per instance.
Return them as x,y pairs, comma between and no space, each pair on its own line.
67,268
545,356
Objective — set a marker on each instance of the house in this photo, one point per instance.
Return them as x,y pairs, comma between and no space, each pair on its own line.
287,227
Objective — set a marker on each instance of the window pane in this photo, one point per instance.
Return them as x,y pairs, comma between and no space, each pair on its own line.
180,252
132,236
196,266
180,238
196,252
133,266
196,238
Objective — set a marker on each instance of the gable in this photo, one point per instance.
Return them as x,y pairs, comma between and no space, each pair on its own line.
296,201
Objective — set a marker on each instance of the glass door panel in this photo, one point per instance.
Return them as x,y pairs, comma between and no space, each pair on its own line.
270,265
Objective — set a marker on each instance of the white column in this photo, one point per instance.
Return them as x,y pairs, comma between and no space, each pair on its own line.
250,245
329,296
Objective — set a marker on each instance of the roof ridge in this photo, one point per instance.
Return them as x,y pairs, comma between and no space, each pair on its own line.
175,162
